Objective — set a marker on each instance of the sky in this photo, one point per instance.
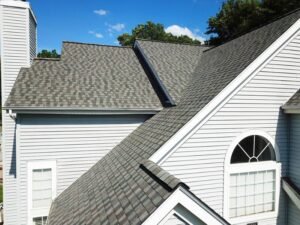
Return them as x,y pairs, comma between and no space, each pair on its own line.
102,21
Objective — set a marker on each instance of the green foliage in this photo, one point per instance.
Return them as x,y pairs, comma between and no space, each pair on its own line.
240,16
153,31
1,193
48,54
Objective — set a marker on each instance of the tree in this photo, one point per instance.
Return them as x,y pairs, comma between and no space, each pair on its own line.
239,16
153,31
48,54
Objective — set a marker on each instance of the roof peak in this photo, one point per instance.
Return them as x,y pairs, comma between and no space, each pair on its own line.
166,42
100,45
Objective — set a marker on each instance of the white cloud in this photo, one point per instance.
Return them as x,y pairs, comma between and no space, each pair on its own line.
196,30
179,31
97,35
101,12
117,27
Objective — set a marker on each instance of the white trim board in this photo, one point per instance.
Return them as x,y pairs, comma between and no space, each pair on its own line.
19,4
291,110
87,111
291,192
185,199
230,90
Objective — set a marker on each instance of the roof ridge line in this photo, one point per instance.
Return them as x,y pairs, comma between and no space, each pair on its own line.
166,42
47,59
96,44
161,176
254,29
157,84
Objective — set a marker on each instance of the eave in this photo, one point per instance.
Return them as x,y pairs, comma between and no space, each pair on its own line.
83,111
291,110
291,190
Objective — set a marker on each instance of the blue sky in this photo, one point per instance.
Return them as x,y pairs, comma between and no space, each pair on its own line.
101,21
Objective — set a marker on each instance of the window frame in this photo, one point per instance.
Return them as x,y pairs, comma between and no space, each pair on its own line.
33,165
251,167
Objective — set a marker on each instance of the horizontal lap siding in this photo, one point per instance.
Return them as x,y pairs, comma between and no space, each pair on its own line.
293,214
75,142
14,49
294,166
199,161
32,37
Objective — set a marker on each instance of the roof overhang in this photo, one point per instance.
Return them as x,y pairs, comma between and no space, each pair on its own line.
188,207
291,110
76,111
291,190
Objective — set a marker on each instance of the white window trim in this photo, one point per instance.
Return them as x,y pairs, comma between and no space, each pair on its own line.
39,165
251,167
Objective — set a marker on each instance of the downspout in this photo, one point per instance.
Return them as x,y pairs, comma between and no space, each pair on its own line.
12,115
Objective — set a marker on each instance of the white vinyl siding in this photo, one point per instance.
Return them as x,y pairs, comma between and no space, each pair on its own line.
199,161
294,166
32,38
76,143
14,47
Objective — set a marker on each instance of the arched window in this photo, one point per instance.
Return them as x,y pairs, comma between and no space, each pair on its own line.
253,179
253,149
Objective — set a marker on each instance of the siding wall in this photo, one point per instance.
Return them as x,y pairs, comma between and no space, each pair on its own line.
14,43
200,160
294,166
32,37
75,142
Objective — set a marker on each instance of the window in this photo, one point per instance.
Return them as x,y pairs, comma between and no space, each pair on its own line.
252,193
253,179
41,190
253,149
40,220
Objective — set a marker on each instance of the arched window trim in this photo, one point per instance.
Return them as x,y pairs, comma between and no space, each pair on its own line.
250,133
251,167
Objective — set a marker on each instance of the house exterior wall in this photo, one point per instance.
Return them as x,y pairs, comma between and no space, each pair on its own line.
14,45
199,161
32,37
76,143
294,167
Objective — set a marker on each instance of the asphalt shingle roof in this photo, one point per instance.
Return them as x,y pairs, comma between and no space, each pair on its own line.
174,63
117,190
293,102
88,76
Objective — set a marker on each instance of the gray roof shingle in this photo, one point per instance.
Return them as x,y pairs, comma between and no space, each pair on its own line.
174,63
88,76
116,190
293,102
